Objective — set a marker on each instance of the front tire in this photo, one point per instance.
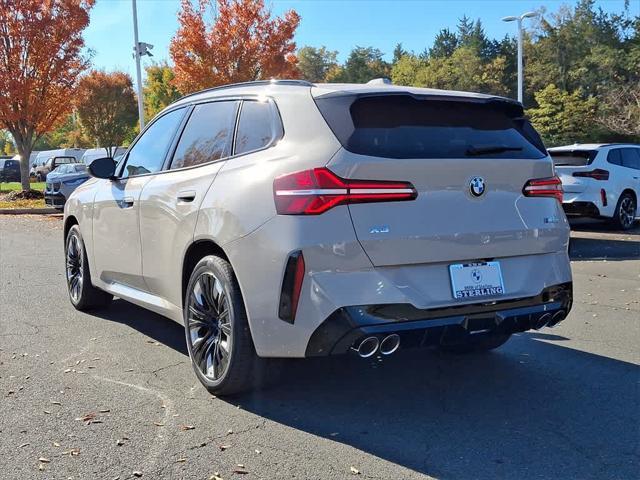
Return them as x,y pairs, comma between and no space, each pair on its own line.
481,343
625,213
82,293
216,328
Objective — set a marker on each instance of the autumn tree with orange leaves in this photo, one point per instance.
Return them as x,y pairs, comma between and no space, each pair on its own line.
40,60
107,107
244,43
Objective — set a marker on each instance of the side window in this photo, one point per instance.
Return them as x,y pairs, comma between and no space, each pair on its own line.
207,135
614,157
630,158
255,128
147,155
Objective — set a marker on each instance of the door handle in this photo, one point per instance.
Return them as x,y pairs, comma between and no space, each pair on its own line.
126,202
187,196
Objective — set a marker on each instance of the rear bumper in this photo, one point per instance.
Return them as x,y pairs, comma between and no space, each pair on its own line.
581,209
422,327
56,200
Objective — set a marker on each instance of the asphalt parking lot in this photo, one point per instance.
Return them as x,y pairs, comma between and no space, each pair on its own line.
112,395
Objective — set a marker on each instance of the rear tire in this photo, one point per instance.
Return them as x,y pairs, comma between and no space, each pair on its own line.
483,343
83,295
217,331
625,213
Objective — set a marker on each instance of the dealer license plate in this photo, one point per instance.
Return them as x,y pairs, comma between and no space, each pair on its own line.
472,280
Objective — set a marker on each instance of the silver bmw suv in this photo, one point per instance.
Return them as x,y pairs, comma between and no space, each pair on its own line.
288,219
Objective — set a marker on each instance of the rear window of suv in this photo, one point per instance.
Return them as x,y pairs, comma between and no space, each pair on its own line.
403,126
573,158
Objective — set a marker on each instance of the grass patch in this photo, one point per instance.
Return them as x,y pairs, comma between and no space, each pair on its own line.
13,204
13,186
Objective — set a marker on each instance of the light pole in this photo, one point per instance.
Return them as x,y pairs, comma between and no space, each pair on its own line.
520,71
139,49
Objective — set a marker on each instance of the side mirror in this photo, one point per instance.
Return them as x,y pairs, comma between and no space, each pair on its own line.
102,168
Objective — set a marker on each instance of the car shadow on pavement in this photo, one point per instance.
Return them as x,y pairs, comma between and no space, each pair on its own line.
532,409
581,249
152,325
602,226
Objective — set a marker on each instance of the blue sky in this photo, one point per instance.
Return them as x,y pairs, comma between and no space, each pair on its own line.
339,25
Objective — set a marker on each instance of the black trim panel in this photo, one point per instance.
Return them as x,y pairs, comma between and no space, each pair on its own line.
420,327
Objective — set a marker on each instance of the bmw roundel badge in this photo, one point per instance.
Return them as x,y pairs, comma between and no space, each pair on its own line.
476,186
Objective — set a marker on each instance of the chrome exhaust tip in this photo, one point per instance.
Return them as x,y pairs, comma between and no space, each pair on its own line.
368,347
390,344
557,318
542,321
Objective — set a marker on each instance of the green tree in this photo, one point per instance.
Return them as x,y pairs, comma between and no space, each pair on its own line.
363,64
159,89
563,117
398,53
444,44
315,63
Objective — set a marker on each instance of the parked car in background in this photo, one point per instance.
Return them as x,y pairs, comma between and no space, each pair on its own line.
62,181
286,219
600,181
92,153
48,160
9,169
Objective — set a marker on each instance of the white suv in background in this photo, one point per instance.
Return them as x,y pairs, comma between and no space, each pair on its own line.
600,181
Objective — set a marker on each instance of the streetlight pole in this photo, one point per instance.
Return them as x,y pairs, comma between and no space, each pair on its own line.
136,49
520,41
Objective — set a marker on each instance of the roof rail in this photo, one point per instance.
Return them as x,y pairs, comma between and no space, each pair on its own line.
273,81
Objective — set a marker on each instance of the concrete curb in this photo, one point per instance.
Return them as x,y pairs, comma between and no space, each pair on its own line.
28,211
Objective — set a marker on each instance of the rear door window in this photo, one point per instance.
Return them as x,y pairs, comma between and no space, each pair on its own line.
403,126
208,135
256,127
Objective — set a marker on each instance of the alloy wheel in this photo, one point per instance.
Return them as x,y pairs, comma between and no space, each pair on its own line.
74,268
627,212
208,326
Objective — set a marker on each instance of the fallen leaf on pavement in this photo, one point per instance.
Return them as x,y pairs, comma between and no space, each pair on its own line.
44,460
240,471
181,460
137,474
258,451
215,476
55,402
187,427
23,445
158,424
104,410
355,471
120,443
223,447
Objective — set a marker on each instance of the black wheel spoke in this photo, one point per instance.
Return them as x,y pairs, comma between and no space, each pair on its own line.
209,326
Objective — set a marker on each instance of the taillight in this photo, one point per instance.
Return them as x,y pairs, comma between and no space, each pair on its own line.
291,286
544,187
597,174
312,192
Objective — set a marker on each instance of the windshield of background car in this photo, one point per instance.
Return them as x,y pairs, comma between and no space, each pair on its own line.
404,126
573,158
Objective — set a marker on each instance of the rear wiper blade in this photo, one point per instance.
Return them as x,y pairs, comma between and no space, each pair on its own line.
491,149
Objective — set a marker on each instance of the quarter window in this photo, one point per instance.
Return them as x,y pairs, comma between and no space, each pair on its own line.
614,157
255,128
631,158
208,135
148,153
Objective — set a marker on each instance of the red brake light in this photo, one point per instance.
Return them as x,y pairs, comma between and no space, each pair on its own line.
544,187
312,192
597,174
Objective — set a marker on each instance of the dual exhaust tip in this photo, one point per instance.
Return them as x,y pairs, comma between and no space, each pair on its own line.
372,345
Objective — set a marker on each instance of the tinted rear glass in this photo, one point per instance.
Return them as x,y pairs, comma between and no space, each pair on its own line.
401,126
573,158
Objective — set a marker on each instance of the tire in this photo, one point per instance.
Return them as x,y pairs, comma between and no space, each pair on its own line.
83,295
481,343
626,210
217,331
